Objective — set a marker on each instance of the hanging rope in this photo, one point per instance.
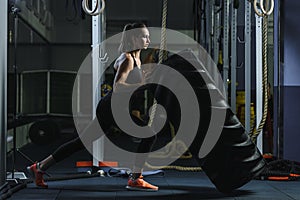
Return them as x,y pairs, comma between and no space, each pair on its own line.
163,39
172,152
175,167
93,12
265,15
162,53
172,147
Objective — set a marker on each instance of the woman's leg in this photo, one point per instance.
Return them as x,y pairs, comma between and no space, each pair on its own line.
135,181
62,152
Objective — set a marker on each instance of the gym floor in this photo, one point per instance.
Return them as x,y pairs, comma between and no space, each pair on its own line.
173,184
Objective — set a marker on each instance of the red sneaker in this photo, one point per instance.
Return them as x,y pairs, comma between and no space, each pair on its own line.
140,185
38,175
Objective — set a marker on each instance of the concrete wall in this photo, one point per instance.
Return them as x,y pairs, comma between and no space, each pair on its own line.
291,84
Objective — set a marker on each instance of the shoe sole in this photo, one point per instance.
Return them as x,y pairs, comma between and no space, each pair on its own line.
31,173
140,189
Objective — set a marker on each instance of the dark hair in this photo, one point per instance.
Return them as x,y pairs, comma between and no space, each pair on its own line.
129,31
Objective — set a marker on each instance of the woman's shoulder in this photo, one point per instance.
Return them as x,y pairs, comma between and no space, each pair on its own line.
121,59
127,56
124,58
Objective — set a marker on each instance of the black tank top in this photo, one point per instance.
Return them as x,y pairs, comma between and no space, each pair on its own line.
136,76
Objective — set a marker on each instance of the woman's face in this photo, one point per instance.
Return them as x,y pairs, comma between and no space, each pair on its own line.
142,41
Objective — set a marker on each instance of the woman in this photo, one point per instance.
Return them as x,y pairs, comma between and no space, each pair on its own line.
128,74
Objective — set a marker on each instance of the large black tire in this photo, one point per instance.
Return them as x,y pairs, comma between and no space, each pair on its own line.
235,159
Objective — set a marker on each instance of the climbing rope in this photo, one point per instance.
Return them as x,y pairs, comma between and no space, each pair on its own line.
171,151
172,146
264,13
175,167
162,53
93,12
163,39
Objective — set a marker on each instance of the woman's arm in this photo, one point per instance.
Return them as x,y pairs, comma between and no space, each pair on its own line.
123,70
